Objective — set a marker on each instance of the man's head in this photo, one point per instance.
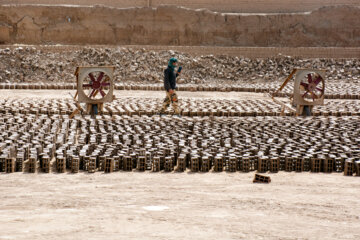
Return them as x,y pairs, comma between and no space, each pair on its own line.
173,62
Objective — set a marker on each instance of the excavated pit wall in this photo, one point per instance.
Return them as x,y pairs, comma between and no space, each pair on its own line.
243,6
328,26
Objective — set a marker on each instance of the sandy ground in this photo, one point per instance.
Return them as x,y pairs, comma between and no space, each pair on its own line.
160,206
178,206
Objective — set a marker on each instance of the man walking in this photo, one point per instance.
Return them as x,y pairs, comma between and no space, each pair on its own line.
170,86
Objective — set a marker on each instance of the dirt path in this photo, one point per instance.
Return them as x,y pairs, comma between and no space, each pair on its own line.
178,206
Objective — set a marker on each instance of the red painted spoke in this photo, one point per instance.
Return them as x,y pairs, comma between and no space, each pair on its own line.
105,84
87,85
305,93
92,77
317,80
306,85
319,89
92,92
100,76
309,78
102,93
313,96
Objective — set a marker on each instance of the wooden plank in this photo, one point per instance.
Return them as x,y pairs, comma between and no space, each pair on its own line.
74,113
286,81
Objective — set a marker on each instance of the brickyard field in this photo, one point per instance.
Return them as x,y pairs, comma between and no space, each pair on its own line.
262,140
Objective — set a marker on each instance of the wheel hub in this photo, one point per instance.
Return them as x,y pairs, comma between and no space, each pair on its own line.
96,85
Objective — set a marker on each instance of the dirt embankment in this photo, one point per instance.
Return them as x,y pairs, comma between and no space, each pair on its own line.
244,6
165,25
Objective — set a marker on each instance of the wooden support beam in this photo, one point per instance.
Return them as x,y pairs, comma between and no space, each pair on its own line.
74,113
283,105
285,82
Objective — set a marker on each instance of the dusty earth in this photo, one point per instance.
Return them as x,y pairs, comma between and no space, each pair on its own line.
178,206
149,205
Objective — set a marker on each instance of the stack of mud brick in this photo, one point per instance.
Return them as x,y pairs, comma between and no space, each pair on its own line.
2,163
162,162
263,164
45,163
102,160
91,167
253,163
340,162
75,164
357,168
181,163
316,164
289,164
10,165
349,167
148,160
195,164
218,164
140,166
32,164
299,164
60,164
245,164
307,163
232,164
274,164
328,164
169,164
282,160
155,164
121,162
109,165
134,158
205,164
116,163
128,163
19,162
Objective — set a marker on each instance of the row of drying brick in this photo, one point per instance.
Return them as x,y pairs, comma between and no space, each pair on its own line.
181,163
333,91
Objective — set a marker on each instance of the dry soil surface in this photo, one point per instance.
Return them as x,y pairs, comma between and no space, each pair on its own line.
160,206
178,206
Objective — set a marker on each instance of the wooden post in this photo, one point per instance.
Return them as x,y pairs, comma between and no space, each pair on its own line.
285,82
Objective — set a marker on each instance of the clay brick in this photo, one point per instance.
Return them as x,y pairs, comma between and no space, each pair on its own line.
140,166
349,167
109,165
10,165
261,179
